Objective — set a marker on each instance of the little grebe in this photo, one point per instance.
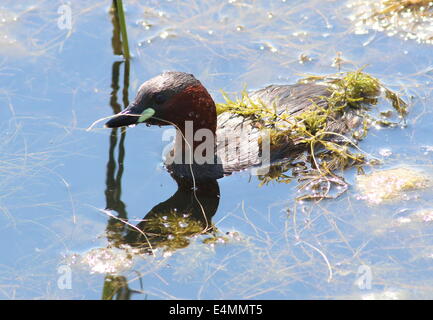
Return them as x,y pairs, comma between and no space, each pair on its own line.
179,99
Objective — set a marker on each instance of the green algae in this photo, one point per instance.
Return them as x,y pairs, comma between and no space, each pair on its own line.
277,173
171,231
330,148
244,106
389,184
409,19
404,5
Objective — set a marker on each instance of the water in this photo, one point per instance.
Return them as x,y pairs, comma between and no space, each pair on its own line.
56,178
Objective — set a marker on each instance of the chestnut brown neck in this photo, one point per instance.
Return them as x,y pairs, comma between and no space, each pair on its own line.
196,105
192,110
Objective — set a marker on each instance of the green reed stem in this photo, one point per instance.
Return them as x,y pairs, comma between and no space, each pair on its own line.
122,22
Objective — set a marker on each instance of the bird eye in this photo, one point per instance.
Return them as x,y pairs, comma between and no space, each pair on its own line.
159,98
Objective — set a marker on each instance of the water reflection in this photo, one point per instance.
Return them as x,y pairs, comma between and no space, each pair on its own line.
170,223
189,211
116,287
272,255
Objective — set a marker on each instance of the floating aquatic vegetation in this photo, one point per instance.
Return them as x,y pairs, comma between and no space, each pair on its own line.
390,184
316,129
117,288
105,260
277,173
171,231
410,19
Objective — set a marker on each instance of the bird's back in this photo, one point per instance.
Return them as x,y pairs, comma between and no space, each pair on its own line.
292,99
289,99
238,139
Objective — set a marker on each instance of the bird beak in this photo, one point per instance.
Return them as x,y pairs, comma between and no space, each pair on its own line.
128,117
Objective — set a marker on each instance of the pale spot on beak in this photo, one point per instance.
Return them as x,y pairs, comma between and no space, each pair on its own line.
146,114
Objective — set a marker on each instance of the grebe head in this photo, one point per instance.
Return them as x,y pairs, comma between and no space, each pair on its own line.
171,97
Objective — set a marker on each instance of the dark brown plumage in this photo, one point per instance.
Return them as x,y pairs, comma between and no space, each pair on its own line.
177,97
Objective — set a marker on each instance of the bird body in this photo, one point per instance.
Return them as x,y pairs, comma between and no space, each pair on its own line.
228,142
